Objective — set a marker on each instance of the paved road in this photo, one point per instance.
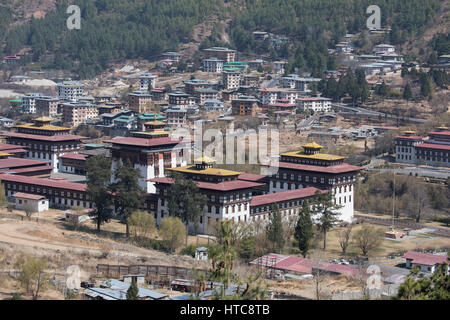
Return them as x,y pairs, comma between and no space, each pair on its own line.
443,232
419,171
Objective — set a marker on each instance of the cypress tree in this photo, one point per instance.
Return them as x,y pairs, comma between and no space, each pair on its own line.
133,291
304,230
274,229
407,93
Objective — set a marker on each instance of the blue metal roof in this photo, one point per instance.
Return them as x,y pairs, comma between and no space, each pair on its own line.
120,286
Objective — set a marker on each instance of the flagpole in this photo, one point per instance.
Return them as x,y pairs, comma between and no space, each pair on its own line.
393,203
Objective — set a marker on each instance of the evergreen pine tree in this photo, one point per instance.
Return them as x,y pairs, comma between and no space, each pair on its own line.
133,291
407,93
327,213
304,230
274,229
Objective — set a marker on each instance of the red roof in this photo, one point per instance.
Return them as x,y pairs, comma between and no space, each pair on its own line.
434,146
75,156
55,138
282,105
30,169
10,163
9,147
250,177
220,186
283,196
13,151
28,196
426,259
44,182
340,168
387,128
442,133
409,137
143,142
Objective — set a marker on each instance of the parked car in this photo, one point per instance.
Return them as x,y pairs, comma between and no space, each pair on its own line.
86,285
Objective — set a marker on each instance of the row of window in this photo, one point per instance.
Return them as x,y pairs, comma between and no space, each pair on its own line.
299,177
45,191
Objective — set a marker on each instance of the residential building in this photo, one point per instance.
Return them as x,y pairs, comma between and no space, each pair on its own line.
221,53
213,65
251,80
145,80
272,95
294,81
346,47
47,106
173,57
245,105
206,94
231,79
427,262
278,66
76,113
315,104
159,94
11,60
381,49
176,116
190,86
70,90
138,101
213,105
29,102
181,99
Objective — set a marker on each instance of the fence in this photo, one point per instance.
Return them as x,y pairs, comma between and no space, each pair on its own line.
404,224
383,292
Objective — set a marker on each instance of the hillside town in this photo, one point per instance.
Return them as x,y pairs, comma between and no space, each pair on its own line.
208,173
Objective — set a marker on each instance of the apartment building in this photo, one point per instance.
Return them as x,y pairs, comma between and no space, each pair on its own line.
231,79
221,53
76,113
70,90
212,65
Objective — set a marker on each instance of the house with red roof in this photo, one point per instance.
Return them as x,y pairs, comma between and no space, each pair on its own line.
30,202
425,261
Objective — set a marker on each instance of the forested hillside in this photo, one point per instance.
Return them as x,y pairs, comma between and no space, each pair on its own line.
119,29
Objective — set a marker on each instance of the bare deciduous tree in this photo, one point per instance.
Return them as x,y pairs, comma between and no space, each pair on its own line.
344,238
367,239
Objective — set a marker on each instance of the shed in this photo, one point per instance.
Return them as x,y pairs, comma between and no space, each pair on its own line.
30,202
201,253
139,278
